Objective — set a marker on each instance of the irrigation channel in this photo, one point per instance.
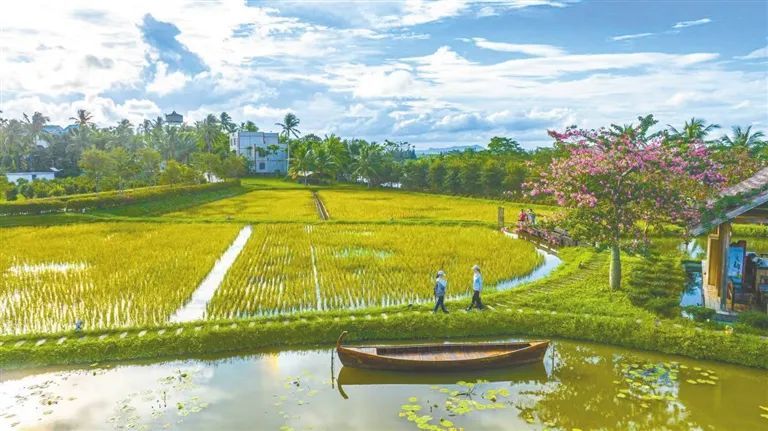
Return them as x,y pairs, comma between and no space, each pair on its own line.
195,308
577,386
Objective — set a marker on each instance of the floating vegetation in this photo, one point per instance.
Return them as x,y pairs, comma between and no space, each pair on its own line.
299,392
458,402
168,405
659,381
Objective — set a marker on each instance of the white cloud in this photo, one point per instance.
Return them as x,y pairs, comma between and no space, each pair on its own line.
632,36
262,63
166,83
382,84
415,12
684,24
536,50
756,54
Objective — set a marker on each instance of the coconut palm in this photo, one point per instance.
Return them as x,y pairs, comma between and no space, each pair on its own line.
12,145
367,162
34,128
82,118
208,130
289,126
324,162
339,153
303,164
744,138
695,129
226,123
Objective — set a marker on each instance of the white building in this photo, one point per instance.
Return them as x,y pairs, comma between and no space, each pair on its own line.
265,153
14,177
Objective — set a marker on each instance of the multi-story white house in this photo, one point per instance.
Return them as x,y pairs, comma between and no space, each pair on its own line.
264,152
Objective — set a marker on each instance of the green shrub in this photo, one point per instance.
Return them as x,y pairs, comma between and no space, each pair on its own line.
111,199
754,319
700,314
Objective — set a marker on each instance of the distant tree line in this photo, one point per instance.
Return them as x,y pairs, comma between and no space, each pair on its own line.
90,158
501,170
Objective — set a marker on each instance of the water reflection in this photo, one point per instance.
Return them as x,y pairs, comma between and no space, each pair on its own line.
530,373
578,385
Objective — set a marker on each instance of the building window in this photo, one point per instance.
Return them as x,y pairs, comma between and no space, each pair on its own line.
262,166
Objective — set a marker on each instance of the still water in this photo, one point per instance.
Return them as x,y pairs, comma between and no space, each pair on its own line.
577,386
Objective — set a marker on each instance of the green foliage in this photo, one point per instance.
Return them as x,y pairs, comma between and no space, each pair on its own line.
699,313
656,283
103,200
754,319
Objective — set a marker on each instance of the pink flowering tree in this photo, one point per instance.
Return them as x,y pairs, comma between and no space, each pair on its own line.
615,183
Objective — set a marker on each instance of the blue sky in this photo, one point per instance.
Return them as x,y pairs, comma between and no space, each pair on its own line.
431,73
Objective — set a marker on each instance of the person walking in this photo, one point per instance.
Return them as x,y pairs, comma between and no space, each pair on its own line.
522,218
531,217
441,284
477,287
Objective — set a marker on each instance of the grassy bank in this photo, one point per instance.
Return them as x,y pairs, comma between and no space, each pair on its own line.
571,303
197,338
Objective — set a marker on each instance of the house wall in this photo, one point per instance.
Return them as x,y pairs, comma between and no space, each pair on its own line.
14,177
248,144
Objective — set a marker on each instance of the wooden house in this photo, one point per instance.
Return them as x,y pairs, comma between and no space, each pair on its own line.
733,279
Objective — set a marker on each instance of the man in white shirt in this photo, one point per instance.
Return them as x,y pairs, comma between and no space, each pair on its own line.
477,286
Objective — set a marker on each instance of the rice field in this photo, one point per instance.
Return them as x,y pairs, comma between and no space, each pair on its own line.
382,205
256,206
288,268
107,274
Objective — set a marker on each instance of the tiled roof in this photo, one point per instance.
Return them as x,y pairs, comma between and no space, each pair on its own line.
757,181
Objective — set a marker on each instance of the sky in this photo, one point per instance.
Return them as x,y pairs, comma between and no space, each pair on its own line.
432,73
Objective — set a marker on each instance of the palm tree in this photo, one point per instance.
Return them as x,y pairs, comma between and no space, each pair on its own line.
249,126
744,138
303,164
12,145
82,118
289,126
226,123
367,162
695,129
208,129
34,127
324,162
339,153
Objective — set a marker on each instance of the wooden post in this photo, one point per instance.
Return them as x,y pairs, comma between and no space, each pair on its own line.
725,242
501,217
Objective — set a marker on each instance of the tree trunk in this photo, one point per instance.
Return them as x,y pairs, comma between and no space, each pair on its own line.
615,274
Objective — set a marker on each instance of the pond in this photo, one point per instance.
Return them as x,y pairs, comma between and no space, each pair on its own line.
577,386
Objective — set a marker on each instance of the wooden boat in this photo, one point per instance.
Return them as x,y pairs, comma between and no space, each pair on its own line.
441,357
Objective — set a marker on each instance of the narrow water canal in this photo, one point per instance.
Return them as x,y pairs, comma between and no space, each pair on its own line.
577,386
195,308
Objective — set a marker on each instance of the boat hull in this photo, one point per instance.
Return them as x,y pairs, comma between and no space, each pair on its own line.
442,357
